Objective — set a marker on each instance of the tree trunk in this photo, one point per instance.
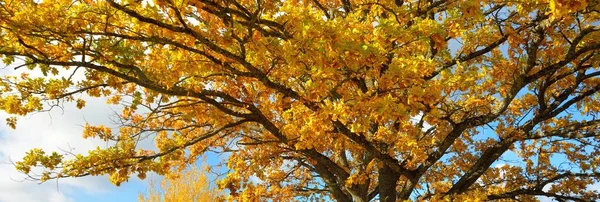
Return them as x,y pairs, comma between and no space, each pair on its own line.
388,180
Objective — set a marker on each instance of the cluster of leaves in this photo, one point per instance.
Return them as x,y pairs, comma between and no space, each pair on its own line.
354,100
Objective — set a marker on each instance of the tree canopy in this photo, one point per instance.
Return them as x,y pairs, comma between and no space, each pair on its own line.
352,100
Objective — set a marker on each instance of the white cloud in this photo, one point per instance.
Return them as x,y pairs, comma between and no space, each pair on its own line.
595,186
416,119
50,131
59,129
27,192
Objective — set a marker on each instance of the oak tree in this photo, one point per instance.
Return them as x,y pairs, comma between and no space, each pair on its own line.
352,100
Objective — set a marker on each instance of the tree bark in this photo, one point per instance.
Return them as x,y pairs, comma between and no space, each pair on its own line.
388,179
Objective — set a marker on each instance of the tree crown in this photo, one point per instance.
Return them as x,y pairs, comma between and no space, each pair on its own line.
354,100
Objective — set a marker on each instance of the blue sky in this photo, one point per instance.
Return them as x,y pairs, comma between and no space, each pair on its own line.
126,192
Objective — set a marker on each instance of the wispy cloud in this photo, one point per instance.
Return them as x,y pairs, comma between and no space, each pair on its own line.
51,131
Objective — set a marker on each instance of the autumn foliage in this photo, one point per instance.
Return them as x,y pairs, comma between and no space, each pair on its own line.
193,185
351,100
